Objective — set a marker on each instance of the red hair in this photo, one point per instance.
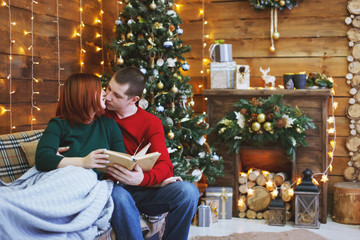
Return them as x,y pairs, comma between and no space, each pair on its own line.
81,96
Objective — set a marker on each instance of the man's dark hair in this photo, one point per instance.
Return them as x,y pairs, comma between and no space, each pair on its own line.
132,76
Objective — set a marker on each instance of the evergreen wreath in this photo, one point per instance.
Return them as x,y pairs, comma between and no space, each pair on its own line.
280,4
261,121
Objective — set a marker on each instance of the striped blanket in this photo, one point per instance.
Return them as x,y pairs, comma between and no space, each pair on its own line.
66,203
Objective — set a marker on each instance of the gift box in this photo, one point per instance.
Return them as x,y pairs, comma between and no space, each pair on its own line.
213,203
221,52
224,195
242,77
204,215
222,75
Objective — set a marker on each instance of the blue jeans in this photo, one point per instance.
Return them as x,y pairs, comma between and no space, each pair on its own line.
179,199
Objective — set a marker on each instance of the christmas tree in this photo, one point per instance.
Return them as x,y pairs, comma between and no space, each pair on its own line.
147,37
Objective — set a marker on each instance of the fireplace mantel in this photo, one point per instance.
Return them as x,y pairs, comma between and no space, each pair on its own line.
314,103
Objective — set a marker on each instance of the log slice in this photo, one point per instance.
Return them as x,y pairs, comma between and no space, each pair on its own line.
260,200
347,202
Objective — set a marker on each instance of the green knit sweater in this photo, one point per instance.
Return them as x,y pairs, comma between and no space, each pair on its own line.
82,139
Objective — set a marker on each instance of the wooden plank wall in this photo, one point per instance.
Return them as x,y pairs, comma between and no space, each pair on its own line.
45,52
313,39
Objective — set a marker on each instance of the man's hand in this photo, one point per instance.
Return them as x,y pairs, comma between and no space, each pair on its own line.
133,178
61,150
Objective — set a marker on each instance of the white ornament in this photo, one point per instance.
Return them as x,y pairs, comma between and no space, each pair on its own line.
353,132
185,66
353,91
352,126
348,82
351,44
118,21
348,20
216,157
197,173
143,70
350,58
143,103
266,78
160,108
171,62
202,140
351,153
352,16
156,72
168,43
130,22
349,76
179,31
171,13
352,101
160,62
349,162
352,121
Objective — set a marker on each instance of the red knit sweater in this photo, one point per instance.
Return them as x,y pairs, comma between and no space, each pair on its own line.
144,127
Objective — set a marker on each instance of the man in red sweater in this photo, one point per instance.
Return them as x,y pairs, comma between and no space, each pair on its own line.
147,192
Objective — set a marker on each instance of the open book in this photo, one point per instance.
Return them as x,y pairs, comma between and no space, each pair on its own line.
145,161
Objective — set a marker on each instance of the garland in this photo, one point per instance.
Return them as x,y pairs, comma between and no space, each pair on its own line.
280,4
261,121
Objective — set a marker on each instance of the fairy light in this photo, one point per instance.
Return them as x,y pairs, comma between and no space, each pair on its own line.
250,191
58,48
9,77
241,202
101,35
33,79
81,25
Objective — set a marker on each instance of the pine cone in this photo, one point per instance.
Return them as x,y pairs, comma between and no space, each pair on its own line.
270,117
206,148
243,111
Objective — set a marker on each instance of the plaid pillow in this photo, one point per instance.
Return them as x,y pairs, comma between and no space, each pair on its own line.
13,161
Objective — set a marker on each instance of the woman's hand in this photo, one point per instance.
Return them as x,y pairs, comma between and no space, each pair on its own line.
95,159
169,181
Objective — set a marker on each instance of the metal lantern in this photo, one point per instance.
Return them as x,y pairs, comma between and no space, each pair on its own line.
277,212
307,202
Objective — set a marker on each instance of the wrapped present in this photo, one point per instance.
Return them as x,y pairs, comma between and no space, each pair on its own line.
213,203
222,75
224,195
242,77
221,52
204,215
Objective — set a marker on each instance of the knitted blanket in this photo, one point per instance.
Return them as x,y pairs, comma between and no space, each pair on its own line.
66,203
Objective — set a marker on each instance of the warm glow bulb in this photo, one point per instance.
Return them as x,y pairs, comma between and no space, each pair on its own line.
102,62
3,110
83,50
331,130
37,108
315,182
200,85
201,71
330,79
241,202
298,181
332,143
204,45
291,192
274,193
98,49
3,4
206,99
331,120
201,11
243,174
205,22
207,36
335,105
13,23
250,171
330,167
331,154
265,173
98,35
324,178
269,184
101,11
26,33
82,63
333,91
81,9
250,192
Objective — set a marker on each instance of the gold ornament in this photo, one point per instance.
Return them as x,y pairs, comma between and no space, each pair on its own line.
171,135
160,85
272,49
261,117
152,6
174,89
268,126
255,126
120,61
276,35
129,35
282,3
298,130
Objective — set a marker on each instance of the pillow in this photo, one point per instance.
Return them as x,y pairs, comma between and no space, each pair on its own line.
29,149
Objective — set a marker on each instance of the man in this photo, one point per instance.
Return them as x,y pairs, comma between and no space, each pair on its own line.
134,193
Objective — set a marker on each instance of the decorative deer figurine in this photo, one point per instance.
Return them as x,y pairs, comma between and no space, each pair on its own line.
266,78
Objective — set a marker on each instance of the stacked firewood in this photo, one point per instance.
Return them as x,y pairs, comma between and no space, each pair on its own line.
257,188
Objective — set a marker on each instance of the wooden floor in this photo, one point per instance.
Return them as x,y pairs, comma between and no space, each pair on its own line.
331,230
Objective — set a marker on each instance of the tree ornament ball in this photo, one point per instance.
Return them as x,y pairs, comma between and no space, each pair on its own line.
120,61
261,117
298,130
169,122
255,126
129,35
276,35
174,89
272,49
268,126
282,3
160,85
171,135
152,6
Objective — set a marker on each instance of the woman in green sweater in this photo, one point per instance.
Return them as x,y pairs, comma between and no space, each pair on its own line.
79,125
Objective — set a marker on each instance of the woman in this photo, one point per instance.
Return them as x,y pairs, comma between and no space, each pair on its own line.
79,124
62,197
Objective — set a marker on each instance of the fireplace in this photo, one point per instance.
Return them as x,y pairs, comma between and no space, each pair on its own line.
313,102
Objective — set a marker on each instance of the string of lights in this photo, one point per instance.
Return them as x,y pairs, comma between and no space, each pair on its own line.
102,34
58,48
82,51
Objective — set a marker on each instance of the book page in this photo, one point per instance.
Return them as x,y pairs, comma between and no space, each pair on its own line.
143,151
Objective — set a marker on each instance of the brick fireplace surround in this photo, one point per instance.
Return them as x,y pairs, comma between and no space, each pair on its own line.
314,103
